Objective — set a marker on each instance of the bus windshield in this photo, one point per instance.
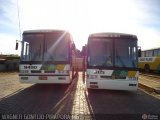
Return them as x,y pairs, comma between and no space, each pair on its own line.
100,52
125,53
112,52
45,47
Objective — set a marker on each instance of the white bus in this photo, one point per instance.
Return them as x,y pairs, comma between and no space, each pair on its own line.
46,57
112,61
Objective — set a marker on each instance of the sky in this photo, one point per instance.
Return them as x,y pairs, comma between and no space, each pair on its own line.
80,17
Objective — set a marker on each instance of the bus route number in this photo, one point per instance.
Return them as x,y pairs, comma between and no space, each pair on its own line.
30,67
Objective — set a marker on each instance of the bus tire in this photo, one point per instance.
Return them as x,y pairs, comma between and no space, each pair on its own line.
147,68
140,70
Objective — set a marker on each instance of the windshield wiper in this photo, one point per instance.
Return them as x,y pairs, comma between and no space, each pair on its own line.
121,61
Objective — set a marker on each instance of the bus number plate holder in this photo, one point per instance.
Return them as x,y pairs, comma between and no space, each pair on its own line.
43,78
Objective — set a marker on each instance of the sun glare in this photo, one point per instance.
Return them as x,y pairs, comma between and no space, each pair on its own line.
81,17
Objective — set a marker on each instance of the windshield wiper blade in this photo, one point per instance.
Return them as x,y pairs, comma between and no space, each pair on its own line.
121,61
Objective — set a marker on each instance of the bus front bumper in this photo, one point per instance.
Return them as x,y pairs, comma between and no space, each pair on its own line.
112,84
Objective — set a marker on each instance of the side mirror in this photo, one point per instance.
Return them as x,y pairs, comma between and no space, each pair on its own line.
16,45
139,52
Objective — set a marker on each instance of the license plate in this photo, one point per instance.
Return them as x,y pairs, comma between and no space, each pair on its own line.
43,78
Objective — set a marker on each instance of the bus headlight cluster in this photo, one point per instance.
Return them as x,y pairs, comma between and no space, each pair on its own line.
132,78
24,71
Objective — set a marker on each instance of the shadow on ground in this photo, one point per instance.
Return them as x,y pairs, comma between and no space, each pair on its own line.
41,98
120,105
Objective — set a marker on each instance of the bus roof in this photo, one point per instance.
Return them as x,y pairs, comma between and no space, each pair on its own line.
44,31
112,34
156,48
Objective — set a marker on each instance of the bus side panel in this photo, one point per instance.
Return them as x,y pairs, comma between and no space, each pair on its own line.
153,62
157,64
141,65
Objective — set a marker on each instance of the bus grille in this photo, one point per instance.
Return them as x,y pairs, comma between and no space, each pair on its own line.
35,71
49,71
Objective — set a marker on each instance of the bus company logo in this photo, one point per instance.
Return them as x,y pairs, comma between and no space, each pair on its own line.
144,117
99,72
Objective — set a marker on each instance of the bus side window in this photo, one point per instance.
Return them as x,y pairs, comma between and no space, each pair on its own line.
158,52
147,54
150,53
155,53
143,54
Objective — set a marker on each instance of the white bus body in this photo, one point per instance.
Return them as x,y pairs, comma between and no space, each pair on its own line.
112,61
